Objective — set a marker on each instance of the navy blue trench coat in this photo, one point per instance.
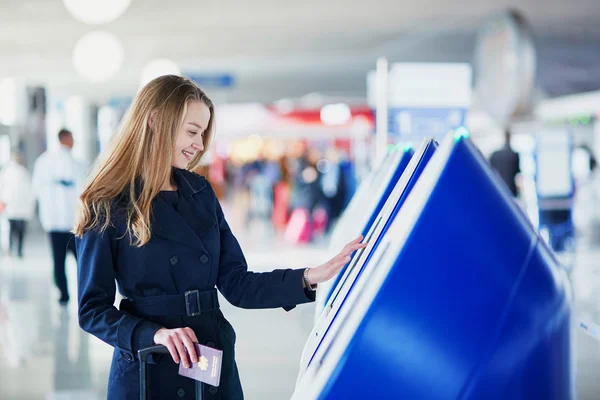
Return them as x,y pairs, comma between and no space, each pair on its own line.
192,250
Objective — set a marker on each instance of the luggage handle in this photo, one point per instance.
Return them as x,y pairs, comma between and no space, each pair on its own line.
143,356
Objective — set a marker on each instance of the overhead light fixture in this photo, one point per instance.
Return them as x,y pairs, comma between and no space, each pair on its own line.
335,114
158,67
98,56
96,12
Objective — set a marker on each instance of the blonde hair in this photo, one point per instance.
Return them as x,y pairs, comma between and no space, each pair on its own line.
139,160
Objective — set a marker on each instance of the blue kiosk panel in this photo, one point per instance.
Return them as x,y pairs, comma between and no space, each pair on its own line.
465,301
362,213
361,259
354,217
378,226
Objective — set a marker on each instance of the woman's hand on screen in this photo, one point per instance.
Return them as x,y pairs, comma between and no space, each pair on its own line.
325,272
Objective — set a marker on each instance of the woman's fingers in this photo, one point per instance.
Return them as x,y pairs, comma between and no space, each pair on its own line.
348,251
355,244
338,262
181,350
346,255
180,343
358,245
192,335
189,345
172,349
358,239
333,266
361,244
355,241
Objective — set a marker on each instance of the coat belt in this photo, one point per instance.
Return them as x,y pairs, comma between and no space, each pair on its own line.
191,304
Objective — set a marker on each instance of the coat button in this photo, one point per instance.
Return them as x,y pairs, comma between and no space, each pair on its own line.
181,393
127,356
204,259
174,260
213,390
210,344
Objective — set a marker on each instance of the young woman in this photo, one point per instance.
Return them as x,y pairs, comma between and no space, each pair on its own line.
157,229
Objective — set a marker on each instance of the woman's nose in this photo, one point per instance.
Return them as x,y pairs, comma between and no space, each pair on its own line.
198,146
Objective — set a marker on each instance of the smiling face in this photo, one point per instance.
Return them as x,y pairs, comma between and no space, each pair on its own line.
190,136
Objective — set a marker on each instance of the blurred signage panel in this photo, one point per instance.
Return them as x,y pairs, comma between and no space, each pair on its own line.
554,178
216,80
418,123
430,85
425,99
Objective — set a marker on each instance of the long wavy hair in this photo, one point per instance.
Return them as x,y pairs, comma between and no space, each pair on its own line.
139,160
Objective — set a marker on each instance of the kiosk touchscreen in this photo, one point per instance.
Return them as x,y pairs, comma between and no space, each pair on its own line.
369,194
360,260
465,301
360,218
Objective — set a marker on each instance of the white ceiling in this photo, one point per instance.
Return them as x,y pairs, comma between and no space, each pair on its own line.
274,48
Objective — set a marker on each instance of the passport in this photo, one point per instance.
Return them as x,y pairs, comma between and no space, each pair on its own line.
208,367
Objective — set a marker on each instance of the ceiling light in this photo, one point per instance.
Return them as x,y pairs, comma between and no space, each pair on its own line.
335,114
158,67
98,56
96,12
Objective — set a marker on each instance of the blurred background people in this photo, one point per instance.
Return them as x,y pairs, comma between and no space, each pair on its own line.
17,201
57,180
507,163
333,184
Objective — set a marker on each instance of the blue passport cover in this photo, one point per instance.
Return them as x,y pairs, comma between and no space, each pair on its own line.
208,367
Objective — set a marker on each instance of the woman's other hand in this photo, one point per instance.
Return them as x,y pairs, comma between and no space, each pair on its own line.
177,341
325,272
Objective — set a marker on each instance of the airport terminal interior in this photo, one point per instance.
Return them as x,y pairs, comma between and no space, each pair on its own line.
461,141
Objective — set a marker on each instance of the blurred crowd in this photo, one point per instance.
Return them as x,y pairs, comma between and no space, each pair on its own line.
301,191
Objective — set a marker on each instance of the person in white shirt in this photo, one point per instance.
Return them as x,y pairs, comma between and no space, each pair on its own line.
57,181
17,201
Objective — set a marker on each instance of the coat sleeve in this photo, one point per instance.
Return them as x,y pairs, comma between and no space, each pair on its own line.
97,289
245,289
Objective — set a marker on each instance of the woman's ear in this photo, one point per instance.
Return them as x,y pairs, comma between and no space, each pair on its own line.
152,119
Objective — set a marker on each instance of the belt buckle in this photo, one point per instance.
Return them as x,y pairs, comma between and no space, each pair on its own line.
187,303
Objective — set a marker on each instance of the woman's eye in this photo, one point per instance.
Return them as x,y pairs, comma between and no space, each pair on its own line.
193,132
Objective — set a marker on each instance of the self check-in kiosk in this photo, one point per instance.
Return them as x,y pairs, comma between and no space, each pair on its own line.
361,259
363,210
464,300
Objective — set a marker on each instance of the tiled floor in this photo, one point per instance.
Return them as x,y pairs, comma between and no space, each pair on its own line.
44,355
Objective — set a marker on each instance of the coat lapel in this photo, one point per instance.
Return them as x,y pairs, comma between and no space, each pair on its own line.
191,222
200,219
170,225
196,215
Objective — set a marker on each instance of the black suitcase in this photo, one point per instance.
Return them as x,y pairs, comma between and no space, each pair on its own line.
143,357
